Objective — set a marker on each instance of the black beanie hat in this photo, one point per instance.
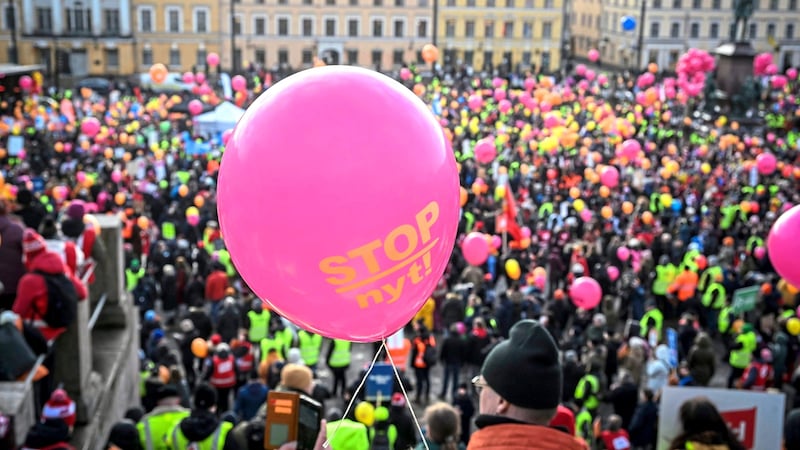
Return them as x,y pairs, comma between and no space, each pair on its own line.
125,436
525,369
205,396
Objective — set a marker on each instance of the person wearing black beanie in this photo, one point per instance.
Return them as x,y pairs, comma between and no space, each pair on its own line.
203,426
520,389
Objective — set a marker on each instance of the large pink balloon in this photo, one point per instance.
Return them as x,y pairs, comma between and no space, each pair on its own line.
485,151
318,222
610,177
90,126
475,248
783,246
766,163
585,293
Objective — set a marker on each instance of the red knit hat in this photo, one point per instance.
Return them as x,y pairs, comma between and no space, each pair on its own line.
60,406
32,242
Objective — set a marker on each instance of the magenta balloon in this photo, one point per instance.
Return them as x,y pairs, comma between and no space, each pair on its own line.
90,126
200,78
766,163
405,74
593,55
25,82
623,253
475,102
475,248
613,273
195,107
296,155
485,151
586,293
504,106
783,246
530,83
610,177
239,83
188,77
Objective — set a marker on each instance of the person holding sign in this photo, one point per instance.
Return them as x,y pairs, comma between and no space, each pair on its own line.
703,428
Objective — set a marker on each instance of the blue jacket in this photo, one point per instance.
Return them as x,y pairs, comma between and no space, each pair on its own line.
249,398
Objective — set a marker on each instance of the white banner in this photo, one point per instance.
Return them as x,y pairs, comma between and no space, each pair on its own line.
756,418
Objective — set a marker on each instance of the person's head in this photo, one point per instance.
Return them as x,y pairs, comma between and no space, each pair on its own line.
648,395
528,354
257,306
124,436
698,416
443,424
791,431
205,397
297,377
167,395
32,245
614,423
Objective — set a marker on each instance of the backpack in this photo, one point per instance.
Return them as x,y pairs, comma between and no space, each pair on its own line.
430,355
62,300
380,438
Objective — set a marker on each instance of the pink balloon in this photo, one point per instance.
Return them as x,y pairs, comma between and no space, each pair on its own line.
499,94
580,70
504,106
212,59
586,293
791,72
195,107
759,252
783,245
80,176
590,75
485,150
475,102
526,232
497,242
497,82
610,177
366,274
771,69
90,126
116,176
405,74
585,215
475,248
193,220
539,281
239,83
593,55
226,135
602,78
778,81
545,106
25,82
188,77
530,83
612,272
766,163
200,78
623,253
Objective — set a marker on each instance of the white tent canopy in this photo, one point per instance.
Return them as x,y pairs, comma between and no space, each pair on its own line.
222,118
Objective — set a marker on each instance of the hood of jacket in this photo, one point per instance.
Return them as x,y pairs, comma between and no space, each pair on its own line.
662,353
199,425
47,262
703,341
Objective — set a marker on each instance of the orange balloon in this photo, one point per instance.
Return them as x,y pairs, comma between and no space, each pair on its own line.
120,198
199,201
199,347
142,222
419,89
574,192
183,190
606,212
627,207
463,196
430,53
647,217
158,73
605,191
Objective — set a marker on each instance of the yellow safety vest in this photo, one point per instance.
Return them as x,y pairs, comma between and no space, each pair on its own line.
259,325
154,430
340,357
589,396
268,344
741,358
349,435
665,275
216,441
715,296
310,345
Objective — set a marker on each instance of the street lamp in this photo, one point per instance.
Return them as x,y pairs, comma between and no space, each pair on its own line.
13,51
640,44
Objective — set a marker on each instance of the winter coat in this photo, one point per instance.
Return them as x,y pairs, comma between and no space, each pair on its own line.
658,369
32,300
202,424
453,350
406,431
452,311
507,434
11,267
702,360
644,425
169,292
228,323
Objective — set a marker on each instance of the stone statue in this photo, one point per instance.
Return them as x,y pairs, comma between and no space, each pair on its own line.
710,93
746,98
742,12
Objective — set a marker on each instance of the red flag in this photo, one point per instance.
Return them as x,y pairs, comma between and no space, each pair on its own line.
510,214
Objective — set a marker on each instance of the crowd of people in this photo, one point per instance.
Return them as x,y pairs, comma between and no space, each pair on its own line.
670,235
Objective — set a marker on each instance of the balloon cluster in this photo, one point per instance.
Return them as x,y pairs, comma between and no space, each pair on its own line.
763,65
692,69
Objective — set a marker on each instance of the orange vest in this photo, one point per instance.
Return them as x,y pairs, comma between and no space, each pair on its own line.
400,355
419,360
685,284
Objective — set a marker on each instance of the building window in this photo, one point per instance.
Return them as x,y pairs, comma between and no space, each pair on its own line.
78,19
490,3
753,30
545,61
508,29
488,29
308,26
283,2
377,57
697,4
469,57
714,31
308,2
377,28
652,56
509,3
656,4
548,4
352,2
397,57
174,20
547,30
773,5
112,58
399,3
789,31
200,58
283,26
237,25
526,58
655,29
469,28
771,30
147,57
716,4
451,2
330,27
261,57
44,19
471,3
675,30
352,56
422,28
399,28
487,59
450,28
330,2
283,56
529,3
175,57
111,21
260,26
792,5
694,31
9,19
201,21
377,2
527,30
308,56
352,27
146,20
422,3
677,4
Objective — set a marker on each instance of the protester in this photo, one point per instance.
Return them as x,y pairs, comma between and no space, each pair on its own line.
442,430
703,426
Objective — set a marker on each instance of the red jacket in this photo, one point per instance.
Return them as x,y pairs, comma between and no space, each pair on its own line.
523,437
616,440
216,284
32,291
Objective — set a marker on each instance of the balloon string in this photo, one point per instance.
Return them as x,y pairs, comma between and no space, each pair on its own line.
405,395
352,401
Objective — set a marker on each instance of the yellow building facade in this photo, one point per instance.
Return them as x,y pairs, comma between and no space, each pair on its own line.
486,34
673,26
584,26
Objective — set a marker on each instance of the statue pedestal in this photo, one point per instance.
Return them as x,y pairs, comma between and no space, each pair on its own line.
734,66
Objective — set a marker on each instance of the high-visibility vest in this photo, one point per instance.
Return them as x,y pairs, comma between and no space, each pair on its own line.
400,355
391,433
715,296
310,346
224,375
689,259
348,434
421,345
287,336
216,441
132,278
665,275
583,424
724,320
710,275
259,325
741,358
154,430
340,357
587,389
657,317
268,344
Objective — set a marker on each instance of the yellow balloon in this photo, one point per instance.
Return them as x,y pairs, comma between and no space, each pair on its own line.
705,168
666,200
365,413
578,204
793,326
500,192
512,269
